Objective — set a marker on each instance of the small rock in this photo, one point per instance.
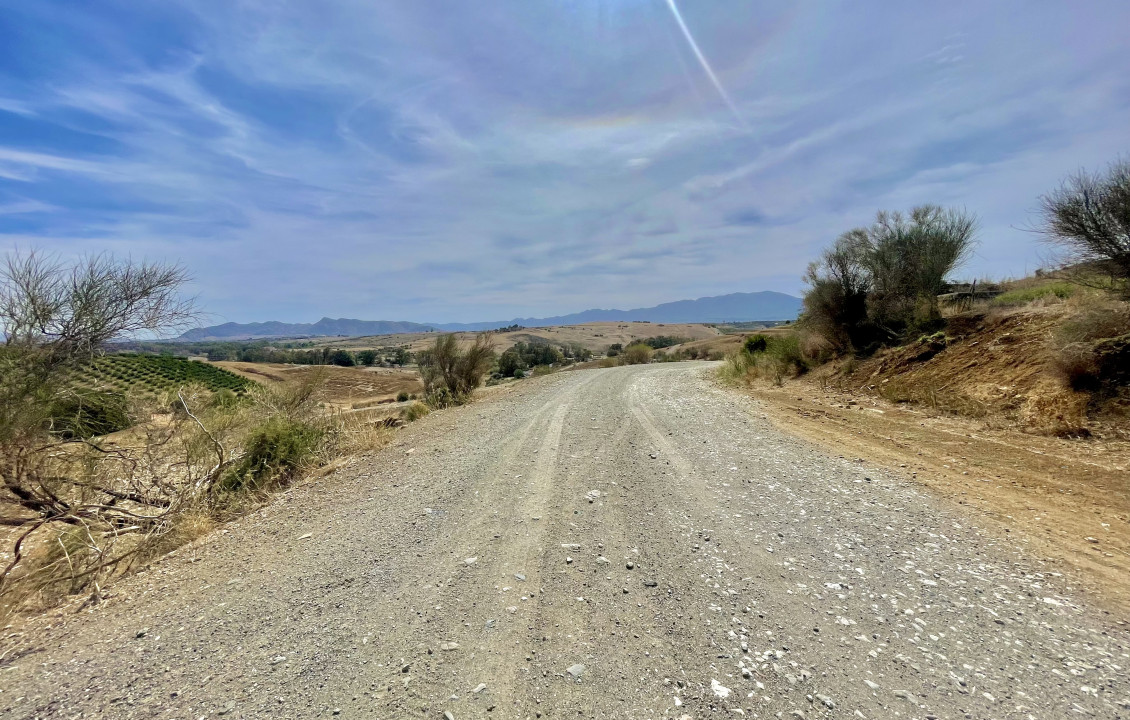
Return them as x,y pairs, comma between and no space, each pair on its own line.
650,583
447,715
471,560
449,646
827,701
872,685
719,689
520,576
278,659
568,561
576,670
479,688
142,632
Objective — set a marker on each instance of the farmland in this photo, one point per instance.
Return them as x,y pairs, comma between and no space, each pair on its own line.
158,373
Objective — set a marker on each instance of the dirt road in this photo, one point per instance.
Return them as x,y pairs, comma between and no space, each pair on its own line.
625,543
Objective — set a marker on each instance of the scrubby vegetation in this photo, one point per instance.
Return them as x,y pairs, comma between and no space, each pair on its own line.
636,354
772,357
879,285
82,507
1051,352
450,373
1088,219
662,341
536,358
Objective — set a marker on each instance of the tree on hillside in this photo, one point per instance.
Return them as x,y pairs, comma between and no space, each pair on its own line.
367,358
401,357
1089,217
876,284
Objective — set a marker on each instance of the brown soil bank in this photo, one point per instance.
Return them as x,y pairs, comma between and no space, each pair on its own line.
997,366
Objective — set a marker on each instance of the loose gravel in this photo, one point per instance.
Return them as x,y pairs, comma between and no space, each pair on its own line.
632,542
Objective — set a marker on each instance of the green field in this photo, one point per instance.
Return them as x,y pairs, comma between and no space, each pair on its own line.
158,373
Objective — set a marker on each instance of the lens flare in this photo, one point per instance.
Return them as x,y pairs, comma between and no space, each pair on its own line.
705,64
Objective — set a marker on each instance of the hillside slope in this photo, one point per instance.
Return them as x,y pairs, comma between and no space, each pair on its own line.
996,365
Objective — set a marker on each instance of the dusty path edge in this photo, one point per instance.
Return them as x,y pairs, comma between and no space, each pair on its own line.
1003,478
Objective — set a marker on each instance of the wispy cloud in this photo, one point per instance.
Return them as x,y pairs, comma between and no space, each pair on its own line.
427,160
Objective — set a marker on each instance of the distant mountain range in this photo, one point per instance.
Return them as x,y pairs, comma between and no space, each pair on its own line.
735,307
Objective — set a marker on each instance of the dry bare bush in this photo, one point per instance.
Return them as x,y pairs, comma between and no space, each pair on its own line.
77,506
1088,217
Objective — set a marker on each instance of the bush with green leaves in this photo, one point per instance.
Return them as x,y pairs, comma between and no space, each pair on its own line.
451,373
636,354
415,411
755,344
879,284
663,341
273,453
342,358
85,413
368,358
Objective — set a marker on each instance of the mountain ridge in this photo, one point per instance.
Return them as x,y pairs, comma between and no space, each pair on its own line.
733,307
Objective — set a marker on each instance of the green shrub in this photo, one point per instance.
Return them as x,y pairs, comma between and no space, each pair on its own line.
756,343
541,370
663,341
450,373
636,354
84,413
402,396
273,453
415,411
342,358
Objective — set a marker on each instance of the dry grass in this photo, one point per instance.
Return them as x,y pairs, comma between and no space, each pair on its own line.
169,487
344,388
594,336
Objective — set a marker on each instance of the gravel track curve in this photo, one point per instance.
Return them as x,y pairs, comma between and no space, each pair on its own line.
633,542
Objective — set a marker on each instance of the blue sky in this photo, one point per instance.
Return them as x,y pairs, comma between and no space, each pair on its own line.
456,161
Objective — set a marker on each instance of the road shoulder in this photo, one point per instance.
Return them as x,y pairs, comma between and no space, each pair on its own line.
1064,500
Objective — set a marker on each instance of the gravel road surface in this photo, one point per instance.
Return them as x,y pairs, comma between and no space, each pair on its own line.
634,542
